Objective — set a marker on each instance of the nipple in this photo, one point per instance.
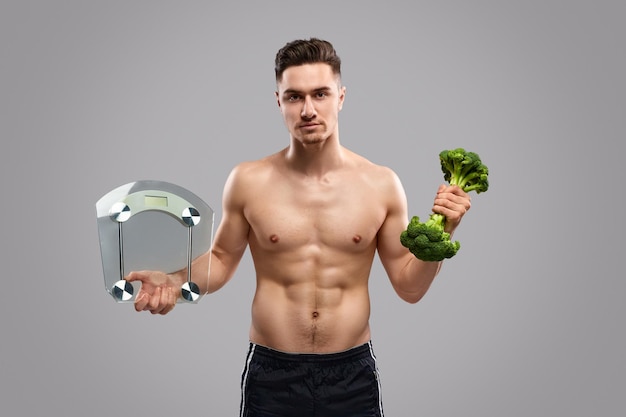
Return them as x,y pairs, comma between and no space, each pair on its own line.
356,238
274,239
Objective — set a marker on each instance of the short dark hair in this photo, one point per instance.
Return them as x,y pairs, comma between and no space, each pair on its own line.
302,51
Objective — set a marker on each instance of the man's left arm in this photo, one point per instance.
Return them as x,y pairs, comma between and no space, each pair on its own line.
411,277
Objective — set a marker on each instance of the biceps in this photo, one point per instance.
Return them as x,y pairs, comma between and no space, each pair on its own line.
231,237
391,252
393,255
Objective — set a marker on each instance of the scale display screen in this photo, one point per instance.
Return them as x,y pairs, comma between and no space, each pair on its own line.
155,201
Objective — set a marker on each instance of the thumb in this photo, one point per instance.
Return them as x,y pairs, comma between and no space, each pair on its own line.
136,276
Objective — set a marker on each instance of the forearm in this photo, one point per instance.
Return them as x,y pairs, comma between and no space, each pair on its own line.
209,272
415,279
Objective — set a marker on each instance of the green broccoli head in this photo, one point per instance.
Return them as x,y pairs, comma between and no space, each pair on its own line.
432,229
428,241
464,169
437,251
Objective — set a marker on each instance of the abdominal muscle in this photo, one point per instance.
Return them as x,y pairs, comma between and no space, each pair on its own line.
299,311
306,319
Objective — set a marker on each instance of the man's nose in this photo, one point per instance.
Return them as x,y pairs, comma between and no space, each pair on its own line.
308,109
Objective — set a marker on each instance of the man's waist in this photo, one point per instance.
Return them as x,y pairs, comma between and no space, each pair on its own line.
363,350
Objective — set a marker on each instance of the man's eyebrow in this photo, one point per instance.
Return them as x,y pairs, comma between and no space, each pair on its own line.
315,90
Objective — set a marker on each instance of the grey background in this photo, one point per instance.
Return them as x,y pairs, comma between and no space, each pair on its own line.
528,319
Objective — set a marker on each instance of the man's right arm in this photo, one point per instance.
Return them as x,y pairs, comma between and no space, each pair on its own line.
231,238
210,271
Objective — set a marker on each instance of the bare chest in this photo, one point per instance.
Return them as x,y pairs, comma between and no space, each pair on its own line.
336,216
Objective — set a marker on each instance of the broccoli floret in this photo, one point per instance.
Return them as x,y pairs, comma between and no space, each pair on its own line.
464,169
428,241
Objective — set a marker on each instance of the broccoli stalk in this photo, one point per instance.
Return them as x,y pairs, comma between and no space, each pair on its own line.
428,241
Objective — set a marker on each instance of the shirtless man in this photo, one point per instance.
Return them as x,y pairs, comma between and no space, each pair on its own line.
313,215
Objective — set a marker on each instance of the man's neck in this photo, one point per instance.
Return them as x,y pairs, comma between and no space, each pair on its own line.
315,160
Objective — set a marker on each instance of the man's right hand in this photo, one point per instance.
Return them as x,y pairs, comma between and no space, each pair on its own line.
159,291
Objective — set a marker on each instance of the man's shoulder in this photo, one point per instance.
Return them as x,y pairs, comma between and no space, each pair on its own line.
367,166
254,169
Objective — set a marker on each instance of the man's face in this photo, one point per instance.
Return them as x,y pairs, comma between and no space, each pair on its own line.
310,98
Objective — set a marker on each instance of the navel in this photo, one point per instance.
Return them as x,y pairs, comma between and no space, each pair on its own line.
315,314
274,239
356,238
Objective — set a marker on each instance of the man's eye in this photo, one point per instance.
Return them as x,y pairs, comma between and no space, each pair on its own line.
321,94
293,97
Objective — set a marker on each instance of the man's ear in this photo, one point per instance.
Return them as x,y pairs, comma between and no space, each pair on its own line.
277,99
342,96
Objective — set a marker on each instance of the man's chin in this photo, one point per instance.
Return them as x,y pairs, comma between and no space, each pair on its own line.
313,140
310,139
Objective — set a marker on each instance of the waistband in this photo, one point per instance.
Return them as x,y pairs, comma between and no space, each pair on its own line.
364,350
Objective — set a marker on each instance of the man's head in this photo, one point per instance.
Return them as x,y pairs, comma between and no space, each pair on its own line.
309,91
300,52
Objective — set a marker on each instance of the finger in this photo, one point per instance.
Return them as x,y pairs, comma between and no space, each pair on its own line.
452,190
446,206
170,300
162,302
141,301
133,276
155,300
136,276
453,197
165,303
452,211
173,297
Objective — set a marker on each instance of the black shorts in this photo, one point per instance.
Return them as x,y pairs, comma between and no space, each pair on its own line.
279,384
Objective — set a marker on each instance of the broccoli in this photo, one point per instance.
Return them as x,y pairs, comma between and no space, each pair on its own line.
464,169
428,241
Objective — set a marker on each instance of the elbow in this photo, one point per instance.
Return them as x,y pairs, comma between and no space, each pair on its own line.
411,297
